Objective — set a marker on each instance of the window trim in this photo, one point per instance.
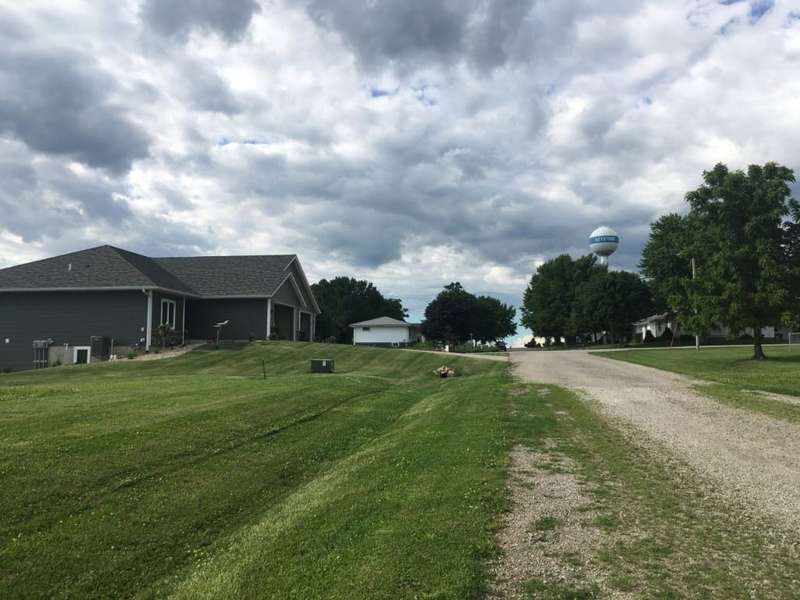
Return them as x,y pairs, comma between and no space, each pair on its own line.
167,301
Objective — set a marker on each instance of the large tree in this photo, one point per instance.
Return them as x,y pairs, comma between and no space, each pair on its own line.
612,301
573,298
344,300
495,320
549,306
745,270
666,265
456,316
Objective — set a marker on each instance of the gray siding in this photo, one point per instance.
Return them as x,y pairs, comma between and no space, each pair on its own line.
67,318
247,316
287,295
298,278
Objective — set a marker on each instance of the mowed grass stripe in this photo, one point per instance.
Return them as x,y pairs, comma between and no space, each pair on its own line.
411,494
113,499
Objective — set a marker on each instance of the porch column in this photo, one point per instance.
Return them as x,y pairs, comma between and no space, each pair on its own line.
149,332
294,323
269,317
313,325
183,323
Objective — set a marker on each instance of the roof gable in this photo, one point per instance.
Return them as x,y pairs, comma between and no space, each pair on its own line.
211,276
382,322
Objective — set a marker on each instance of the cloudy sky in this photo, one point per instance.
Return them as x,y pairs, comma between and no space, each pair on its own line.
410,142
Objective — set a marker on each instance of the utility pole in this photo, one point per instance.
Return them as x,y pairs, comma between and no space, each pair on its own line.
696,336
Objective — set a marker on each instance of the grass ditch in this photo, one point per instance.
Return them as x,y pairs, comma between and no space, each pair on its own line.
197,477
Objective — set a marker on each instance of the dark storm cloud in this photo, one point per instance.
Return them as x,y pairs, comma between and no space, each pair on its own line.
416,33
57,102
44,198
413,31
177,18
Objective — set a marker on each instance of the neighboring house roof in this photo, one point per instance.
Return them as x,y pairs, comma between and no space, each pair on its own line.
107,267
383,322
653,318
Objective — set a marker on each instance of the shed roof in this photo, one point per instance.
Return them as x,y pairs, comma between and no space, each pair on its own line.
383,322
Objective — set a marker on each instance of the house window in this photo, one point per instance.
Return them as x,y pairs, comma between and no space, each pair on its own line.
168,312
365,329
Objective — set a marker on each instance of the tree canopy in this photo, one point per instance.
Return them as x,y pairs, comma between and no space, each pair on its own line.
573,298
742,231
344,300
456,316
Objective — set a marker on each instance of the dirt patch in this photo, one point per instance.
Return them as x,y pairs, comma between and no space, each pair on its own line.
774,396
171,353
547,537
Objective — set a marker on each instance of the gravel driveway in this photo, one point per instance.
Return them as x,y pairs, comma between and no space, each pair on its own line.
747,454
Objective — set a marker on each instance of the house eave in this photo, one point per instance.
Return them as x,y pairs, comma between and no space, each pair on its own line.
106,288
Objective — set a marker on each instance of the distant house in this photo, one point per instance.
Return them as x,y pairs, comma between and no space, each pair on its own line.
385,331
657,324
76,307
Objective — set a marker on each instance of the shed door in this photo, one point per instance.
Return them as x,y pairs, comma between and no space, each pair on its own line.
81,356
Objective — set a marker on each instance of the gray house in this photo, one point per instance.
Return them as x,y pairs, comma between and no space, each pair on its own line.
85,305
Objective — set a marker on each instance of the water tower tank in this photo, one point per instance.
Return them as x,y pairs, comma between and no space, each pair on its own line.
603,241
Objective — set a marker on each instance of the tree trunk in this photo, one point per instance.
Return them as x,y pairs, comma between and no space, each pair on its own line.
758,349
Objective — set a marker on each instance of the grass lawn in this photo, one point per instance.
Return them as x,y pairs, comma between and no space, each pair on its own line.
195,477
735,378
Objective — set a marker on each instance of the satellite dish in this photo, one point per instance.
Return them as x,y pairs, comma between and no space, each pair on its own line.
603,241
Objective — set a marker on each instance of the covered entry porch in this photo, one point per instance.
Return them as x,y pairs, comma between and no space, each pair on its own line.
286,322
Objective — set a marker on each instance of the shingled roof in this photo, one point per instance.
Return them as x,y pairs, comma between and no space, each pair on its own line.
107,267
383,322
230,275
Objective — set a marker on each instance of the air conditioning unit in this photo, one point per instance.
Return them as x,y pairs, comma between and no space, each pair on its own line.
322,365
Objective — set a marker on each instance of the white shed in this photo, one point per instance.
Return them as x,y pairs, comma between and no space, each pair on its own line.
385,331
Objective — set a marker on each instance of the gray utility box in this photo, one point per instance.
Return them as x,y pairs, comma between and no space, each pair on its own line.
322,365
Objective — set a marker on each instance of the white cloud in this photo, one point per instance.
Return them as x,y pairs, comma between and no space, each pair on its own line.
470,149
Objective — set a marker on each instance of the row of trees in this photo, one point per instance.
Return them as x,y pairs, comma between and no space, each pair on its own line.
578,299
453,317
345,300
456,316
742,233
